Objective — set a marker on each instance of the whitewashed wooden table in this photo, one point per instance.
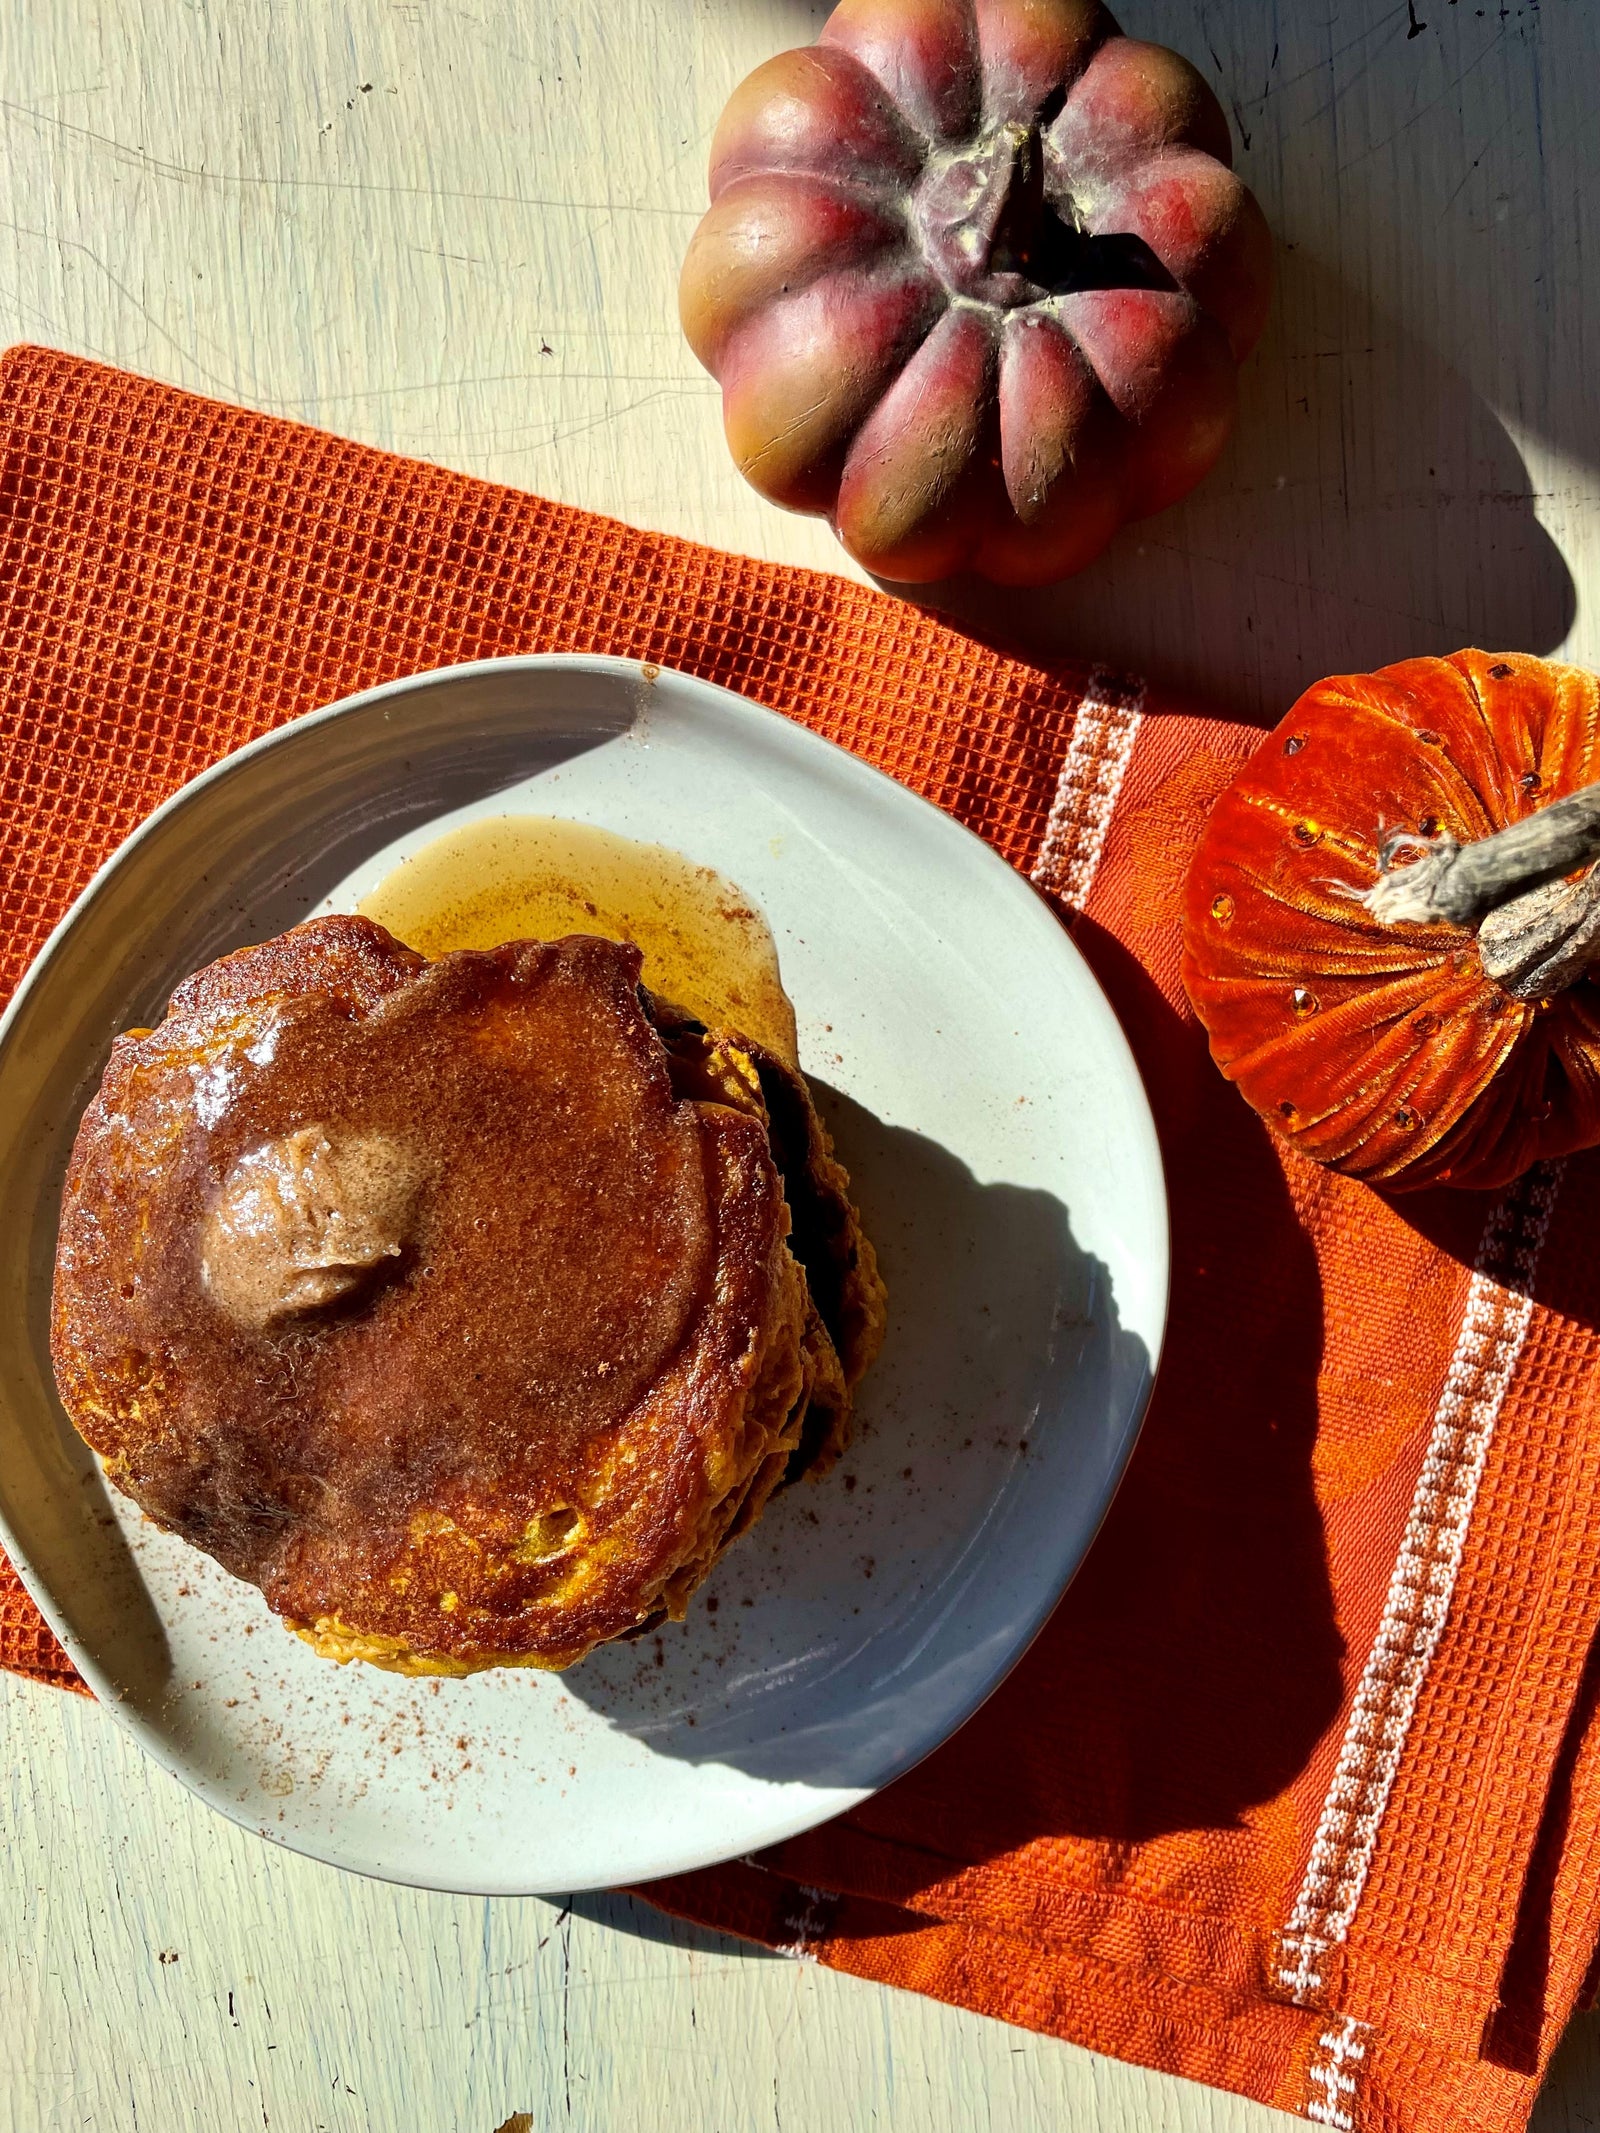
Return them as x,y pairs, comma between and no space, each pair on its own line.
453,230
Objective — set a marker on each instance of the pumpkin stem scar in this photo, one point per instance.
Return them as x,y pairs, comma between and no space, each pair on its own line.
1537,931
998,224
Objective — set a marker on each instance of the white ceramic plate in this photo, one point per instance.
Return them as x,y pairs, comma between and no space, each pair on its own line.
991,1115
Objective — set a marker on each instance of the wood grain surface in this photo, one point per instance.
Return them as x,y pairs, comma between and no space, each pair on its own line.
453,230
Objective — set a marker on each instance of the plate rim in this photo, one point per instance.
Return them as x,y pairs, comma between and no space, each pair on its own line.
1029,906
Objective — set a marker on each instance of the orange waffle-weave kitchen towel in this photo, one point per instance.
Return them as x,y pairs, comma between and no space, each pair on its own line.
1299,1792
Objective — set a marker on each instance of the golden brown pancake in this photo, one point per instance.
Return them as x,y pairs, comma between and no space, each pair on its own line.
467,1308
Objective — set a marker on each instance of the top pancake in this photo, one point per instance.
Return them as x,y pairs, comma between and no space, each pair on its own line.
511,1402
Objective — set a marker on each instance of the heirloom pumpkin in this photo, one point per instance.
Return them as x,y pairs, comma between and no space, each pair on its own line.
1392,922
976,280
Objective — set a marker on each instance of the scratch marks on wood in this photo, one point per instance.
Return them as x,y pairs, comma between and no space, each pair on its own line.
564,1927
229,384
322,401
1414,118
613,414
462,259
1325,68
260,180
1465,179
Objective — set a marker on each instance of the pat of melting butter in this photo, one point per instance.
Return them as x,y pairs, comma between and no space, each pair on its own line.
303,1220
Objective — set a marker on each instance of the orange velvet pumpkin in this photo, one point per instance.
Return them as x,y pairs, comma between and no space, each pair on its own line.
1386,1047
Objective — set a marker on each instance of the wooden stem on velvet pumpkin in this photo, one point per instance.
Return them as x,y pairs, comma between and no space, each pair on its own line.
1418,1005
1538,931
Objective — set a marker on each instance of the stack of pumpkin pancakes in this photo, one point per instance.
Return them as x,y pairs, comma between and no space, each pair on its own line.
469,1308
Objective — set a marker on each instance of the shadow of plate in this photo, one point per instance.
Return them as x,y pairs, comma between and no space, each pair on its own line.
990,1434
